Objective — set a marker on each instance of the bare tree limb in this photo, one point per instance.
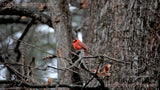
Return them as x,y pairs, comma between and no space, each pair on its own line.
82,65
49,57
108,57
93,76
88,82
12,70
116,60
16,49
75,3
62,69
17,10
14,19
25,43
22,84
102,86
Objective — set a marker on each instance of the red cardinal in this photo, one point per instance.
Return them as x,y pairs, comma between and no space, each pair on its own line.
77,44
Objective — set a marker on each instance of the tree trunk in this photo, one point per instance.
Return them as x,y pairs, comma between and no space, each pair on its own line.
128,31
63,32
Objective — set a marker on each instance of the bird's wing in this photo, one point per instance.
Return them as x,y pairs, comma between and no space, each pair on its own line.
82,45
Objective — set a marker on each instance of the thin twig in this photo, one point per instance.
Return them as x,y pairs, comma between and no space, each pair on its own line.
88,82
116,60
21,11
25,43
95,76
16,49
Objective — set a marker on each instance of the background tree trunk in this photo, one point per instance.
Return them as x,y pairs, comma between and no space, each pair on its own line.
63,33
128,31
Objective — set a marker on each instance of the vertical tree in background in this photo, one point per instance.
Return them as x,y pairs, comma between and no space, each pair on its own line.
61,18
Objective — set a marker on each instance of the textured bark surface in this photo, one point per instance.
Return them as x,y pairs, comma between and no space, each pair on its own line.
128,31
63,33
86,24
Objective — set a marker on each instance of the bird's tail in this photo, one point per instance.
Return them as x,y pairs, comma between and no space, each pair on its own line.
86,54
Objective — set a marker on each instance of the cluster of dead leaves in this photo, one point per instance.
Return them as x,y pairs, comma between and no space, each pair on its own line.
49,82
84,4
103,72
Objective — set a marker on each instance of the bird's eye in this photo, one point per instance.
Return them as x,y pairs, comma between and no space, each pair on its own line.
74,41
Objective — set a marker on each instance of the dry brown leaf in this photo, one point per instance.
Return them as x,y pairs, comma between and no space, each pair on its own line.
106,68
57,19
60,53
105,71
50,80
85,4
23,17
105,74
41,7
99,73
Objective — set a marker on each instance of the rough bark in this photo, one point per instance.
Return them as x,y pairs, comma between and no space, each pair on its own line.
128,31
85,24
63,32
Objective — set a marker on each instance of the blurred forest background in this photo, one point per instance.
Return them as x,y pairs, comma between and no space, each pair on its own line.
122,36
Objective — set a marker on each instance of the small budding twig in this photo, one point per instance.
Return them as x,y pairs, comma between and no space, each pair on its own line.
49,57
